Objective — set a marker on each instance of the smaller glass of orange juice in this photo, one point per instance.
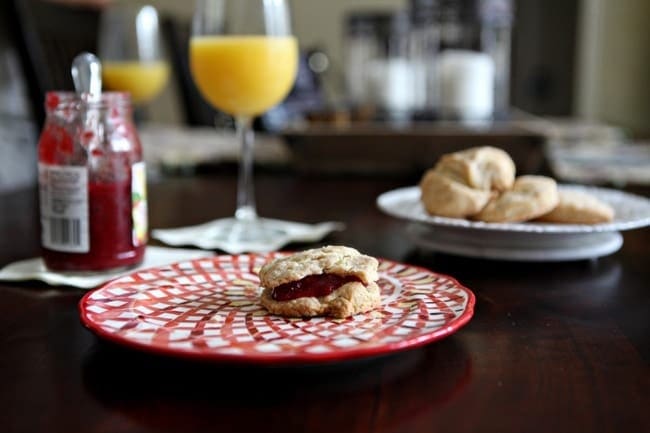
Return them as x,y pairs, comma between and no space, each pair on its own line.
131,51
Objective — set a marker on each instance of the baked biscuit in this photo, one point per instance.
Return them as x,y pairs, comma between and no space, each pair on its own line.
444,196
530,197
332,281
485,168
576,207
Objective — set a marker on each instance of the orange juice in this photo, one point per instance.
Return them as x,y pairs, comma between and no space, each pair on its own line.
244,75
143,80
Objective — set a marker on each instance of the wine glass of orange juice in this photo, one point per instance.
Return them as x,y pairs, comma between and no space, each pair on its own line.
244,61
131,51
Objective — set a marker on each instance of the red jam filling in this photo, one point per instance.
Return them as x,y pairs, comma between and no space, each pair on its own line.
311,285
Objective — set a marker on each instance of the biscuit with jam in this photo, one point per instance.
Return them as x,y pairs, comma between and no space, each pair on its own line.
333,281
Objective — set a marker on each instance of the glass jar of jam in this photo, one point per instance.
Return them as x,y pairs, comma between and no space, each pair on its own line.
92,184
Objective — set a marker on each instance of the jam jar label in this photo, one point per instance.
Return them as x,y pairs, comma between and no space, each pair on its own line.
139,201
64,208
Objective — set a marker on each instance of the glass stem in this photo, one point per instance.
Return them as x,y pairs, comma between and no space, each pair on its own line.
245,188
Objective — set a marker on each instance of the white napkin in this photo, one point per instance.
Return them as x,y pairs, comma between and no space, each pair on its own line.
34,269
202,235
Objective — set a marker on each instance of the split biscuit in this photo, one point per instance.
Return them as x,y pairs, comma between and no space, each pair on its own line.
334,281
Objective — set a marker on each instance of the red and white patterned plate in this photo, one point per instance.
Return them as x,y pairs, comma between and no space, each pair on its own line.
208,309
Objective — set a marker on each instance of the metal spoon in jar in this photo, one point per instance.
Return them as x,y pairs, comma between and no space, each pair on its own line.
87,76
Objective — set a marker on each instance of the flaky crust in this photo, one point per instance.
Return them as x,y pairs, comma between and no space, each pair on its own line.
530,197
576,207
444,196
349,299
331,259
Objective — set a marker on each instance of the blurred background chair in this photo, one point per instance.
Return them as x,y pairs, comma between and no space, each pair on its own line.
47,37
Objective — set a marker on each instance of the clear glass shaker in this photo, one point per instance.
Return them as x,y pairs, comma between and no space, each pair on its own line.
379,71
423,51
472,64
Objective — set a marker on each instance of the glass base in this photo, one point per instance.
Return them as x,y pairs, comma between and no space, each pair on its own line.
255,231
258,234
235,236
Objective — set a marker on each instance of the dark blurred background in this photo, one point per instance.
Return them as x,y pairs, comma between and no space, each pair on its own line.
569,60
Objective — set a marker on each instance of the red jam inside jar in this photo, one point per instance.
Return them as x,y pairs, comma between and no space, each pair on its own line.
106,147
311,285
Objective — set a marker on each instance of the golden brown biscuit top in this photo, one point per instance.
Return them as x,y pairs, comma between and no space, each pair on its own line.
443,196
483,168
331,259
579,207
530,197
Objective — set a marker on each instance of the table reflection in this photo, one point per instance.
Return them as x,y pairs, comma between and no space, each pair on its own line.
412,385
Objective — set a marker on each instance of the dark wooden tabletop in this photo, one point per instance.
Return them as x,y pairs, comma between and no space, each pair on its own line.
553,347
